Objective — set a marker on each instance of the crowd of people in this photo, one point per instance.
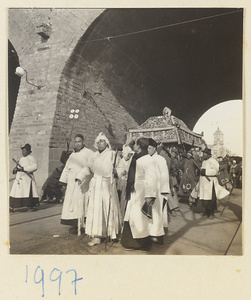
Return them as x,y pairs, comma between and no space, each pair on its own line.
127,195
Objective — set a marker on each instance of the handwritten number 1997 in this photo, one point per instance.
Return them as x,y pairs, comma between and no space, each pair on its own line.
54,276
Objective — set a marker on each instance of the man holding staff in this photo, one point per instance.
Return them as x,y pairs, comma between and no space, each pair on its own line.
24,190
103,218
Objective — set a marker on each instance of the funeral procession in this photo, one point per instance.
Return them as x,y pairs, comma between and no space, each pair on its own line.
112,148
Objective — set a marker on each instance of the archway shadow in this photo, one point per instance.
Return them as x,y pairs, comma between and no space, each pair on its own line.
235,208
170,239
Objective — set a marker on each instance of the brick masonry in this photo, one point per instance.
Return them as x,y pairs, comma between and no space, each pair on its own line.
81,67
70,79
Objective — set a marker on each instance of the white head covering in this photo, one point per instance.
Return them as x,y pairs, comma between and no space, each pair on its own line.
101,136
126,150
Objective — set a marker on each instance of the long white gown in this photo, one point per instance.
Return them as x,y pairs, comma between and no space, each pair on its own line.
160,216
77,167
24,190
206,186
145,186
103,214
122,171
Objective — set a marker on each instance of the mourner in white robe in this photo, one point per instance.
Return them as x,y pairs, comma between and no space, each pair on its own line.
77,176
103,215
24,190
142,184
209,188
160,215
159,210
145,186
122,172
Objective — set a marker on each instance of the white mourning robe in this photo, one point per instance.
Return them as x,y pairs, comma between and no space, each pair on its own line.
160,216
23,183
77,167
103,215
145,186
206,186
122,171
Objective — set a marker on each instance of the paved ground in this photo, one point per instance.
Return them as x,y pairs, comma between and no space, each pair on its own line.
189,233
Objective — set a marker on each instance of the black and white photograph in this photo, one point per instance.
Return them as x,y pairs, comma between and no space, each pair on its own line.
125,149
125,131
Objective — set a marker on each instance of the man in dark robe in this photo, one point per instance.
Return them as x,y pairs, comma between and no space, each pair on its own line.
188,169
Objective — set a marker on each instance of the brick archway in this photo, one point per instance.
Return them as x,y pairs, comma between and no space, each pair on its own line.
118,82
44,59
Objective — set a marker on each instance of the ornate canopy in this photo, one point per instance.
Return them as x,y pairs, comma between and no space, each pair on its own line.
166,129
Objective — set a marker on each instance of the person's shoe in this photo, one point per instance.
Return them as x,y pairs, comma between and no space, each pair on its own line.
157,240
154,240
211,217
93,242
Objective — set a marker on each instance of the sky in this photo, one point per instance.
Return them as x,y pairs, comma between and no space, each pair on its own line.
228,117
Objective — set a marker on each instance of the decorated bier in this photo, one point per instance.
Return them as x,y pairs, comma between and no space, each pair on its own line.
167,129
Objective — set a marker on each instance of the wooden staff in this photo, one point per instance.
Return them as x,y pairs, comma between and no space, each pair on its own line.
18,165
199,169
109,207
79,226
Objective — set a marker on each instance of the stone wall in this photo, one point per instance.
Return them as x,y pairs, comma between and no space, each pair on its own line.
69,81
44,60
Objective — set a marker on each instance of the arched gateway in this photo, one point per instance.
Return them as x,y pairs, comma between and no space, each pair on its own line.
110,70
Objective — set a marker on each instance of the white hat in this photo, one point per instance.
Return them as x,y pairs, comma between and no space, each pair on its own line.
126,150
101,136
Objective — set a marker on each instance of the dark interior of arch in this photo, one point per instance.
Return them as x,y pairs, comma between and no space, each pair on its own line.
13,81
190,66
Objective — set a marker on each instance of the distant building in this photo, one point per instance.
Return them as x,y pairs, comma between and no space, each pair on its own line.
218,148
